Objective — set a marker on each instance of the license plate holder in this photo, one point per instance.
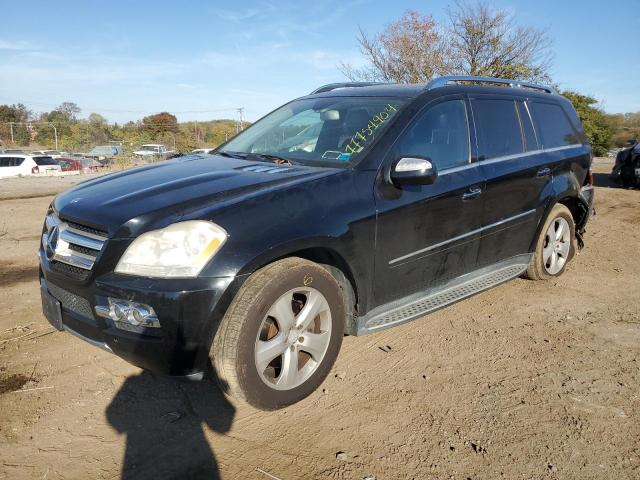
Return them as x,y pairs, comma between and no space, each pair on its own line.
51,308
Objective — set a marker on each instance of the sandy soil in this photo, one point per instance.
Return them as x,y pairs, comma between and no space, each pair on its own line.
528,380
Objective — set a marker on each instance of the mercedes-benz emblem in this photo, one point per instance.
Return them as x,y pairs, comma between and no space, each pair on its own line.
52,242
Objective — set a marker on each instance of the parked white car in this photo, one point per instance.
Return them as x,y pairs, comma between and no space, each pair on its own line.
47,164
14,164
153,150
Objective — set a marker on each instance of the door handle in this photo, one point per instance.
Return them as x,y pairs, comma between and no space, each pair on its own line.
544,172
471,193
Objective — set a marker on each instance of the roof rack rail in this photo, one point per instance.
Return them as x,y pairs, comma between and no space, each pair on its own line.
447,80
333,86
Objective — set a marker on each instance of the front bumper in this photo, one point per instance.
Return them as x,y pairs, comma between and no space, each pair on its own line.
189,310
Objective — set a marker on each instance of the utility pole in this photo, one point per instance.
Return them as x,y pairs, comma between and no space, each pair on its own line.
55,134
11,127
241,111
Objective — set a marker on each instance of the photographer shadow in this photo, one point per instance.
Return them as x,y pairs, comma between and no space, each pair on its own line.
163,421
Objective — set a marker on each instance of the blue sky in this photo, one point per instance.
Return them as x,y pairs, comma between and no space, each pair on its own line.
200,60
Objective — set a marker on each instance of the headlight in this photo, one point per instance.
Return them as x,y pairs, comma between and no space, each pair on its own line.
179,250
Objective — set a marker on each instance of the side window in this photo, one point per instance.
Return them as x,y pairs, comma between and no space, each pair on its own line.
530,140
497,128
553,126
440,133
11,161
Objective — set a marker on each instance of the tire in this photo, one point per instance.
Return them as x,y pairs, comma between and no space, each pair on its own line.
541,266
263,318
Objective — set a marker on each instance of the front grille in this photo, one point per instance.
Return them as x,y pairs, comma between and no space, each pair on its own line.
71,301
87,229
72,244
76,273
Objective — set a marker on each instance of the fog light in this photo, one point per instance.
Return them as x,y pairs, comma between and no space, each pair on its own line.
125,314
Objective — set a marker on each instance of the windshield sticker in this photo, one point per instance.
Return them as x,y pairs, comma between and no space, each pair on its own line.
345,157
331,155
366,133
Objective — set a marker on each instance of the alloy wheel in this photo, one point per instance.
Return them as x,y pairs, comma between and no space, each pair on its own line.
557,245
293,338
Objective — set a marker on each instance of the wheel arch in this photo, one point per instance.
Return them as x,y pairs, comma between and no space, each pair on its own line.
330,259
576,205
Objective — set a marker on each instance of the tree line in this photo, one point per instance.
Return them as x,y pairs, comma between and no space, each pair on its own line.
21,127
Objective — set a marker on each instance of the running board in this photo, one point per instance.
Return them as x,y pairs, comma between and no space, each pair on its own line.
418,305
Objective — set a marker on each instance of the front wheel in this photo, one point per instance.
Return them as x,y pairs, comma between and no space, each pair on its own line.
280,335
555,245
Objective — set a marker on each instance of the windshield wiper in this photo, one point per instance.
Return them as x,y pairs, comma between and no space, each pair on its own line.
273,158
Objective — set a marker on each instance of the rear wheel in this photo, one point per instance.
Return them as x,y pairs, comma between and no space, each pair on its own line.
555,245
280,335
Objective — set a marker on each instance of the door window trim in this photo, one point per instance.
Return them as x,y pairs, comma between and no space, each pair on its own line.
513,156
471,160
533,124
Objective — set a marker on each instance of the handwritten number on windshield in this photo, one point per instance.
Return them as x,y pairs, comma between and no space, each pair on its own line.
365,133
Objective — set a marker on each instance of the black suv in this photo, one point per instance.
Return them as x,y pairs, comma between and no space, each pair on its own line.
626,170
353,209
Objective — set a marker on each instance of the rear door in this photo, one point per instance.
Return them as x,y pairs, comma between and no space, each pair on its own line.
428,234
517,172
11,166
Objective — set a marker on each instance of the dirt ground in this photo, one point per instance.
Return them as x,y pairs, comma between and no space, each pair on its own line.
529,380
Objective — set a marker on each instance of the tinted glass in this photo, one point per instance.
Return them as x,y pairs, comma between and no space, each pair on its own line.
530,140
497,128
441,133
553,126
45,161
330,131
11,161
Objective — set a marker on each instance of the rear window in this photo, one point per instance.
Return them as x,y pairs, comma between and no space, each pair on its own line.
553,125
498,127
11,161
45,161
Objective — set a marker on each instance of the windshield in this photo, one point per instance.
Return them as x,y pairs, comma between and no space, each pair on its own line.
148,148
331,131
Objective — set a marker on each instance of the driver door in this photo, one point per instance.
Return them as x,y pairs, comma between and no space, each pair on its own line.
428,234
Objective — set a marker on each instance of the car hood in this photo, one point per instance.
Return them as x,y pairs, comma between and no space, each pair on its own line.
169,190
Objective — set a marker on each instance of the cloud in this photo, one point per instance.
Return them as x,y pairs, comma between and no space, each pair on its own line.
18,45
238,16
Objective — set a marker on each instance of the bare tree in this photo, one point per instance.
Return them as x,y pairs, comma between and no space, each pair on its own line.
488,42
409,50
478,40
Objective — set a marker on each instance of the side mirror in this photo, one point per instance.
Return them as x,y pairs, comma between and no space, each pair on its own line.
413,171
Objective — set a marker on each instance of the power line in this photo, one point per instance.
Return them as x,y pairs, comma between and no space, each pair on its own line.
111,110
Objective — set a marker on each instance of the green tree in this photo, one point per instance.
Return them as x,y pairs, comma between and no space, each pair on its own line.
594,120
625,126
60,119
22,135
14,114
97,129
